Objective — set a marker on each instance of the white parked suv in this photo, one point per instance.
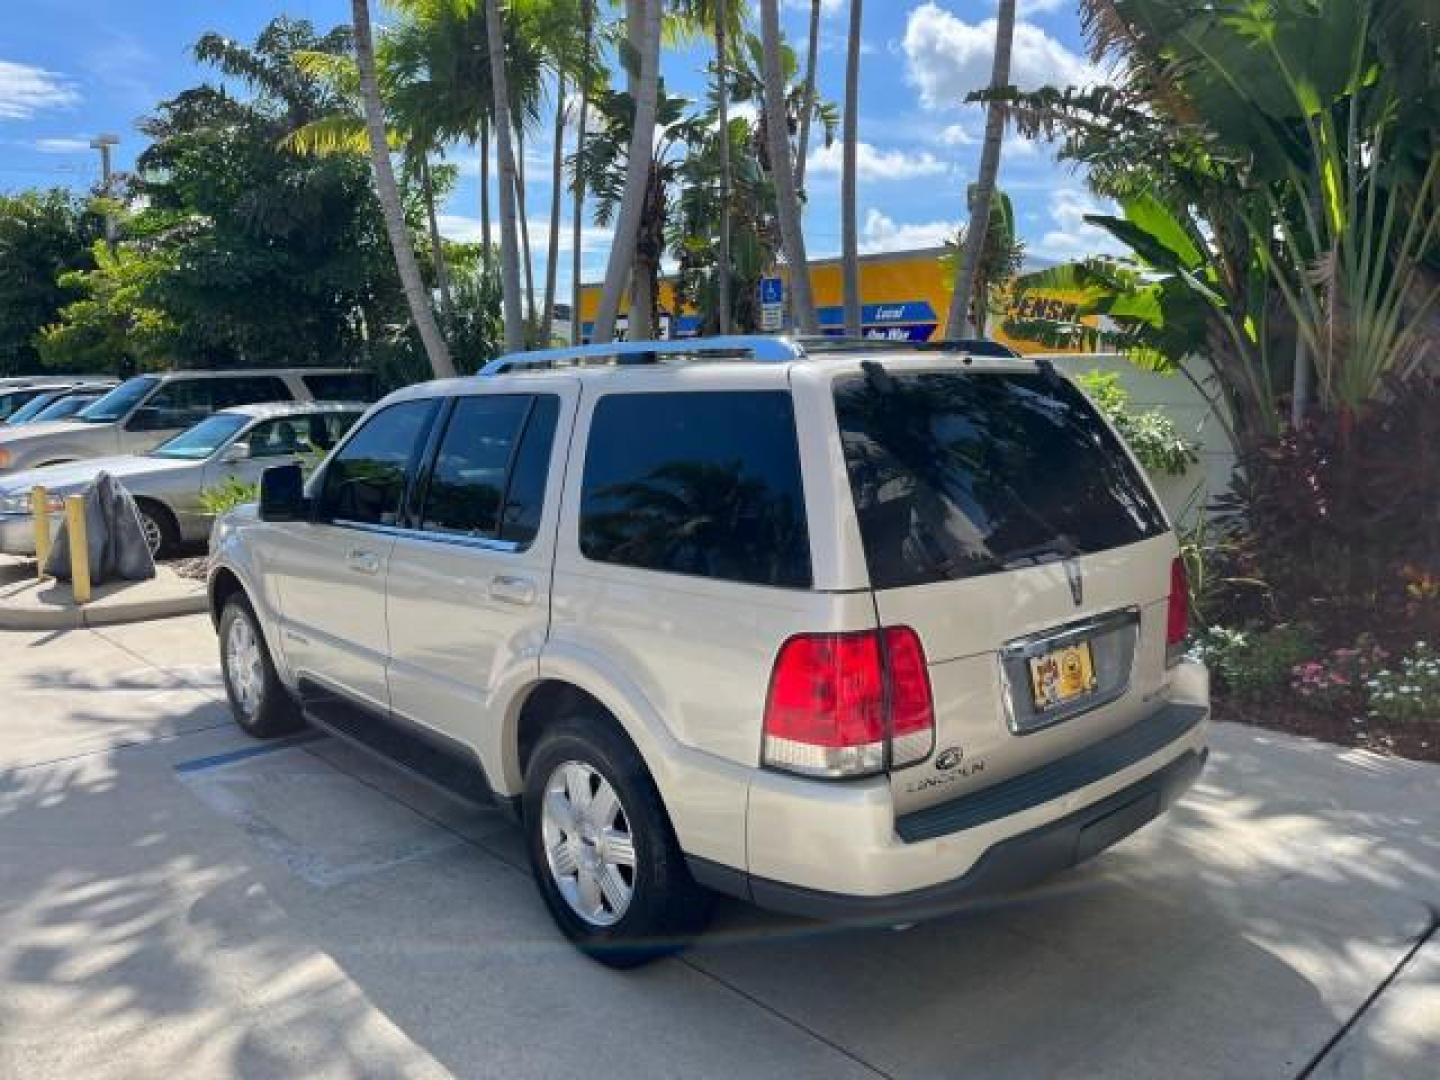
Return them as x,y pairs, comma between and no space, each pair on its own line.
849,631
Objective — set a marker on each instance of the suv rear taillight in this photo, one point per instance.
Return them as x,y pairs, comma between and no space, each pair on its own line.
844,705
1177,617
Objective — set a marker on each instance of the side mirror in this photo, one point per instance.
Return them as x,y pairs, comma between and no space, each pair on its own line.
282,494
236,453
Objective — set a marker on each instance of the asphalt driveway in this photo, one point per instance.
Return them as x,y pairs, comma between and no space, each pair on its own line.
176,899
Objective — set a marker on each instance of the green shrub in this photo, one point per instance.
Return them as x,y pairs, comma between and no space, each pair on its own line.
232,493
1153,436
1411,693
1254,663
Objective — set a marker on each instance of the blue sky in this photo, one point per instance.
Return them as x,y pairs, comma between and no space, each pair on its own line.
71,68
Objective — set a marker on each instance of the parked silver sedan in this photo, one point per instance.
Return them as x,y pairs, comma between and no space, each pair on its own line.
233,445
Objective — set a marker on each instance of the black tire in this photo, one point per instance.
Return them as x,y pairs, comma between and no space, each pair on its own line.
273,711
157,518
666,907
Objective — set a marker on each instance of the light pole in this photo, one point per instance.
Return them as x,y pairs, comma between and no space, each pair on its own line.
103,143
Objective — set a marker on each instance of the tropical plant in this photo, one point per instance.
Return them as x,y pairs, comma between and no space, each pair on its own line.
113,325
641,57
849,232
1001,257
603,165
388,192
1151,433
228,494
44,236
787,201
807,110
982,194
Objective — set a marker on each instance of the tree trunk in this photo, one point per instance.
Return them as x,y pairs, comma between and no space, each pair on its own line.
388,193
578,223
849,236
528,255
644,16
808,100
486,240
509,241
722,97
1300,384
787,203
958,325
552,254
437,247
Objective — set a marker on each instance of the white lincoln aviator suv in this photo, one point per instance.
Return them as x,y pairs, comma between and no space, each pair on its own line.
845,630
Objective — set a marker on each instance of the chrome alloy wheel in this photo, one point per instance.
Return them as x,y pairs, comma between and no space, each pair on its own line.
244,666
588,846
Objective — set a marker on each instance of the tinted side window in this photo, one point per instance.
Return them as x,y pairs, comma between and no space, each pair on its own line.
350,386
365,481
525,498
706,484
177,404
467,484
249,390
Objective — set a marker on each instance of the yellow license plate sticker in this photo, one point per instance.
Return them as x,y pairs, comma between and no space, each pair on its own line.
1062,674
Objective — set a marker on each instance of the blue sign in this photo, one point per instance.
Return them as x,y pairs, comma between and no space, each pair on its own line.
905,313
772,290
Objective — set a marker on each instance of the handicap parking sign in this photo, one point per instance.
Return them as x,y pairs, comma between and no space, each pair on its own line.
772,290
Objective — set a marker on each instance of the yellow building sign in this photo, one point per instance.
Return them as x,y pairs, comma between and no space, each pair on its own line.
904,295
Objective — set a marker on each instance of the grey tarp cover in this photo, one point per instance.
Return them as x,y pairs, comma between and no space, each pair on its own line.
117,542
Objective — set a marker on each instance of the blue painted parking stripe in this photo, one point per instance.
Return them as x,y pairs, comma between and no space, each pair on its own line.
217,760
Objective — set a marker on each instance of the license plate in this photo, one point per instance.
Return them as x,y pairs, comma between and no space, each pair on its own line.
1062,675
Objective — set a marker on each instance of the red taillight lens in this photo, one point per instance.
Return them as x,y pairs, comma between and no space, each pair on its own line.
839,702
1177,617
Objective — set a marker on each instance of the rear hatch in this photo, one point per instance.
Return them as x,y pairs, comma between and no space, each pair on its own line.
1005,523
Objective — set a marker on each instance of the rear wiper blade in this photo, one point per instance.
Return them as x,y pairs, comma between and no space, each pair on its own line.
1059,548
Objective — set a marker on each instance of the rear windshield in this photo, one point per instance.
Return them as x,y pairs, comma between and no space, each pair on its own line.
957,474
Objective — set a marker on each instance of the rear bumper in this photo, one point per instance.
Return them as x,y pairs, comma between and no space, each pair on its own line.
1011,864
838,851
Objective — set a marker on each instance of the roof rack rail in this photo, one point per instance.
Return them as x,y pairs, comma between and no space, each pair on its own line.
769,350
982,347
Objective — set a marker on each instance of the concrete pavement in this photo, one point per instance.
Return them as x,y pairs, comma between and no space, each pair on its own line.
30,605
171,904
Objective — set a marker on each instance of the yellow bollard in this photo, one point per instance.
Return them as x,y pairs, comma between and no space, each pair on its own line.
40,511
79,548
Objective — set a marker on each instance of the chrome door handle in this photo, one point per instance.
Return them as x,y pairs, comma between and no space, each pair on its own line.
512,590
362,562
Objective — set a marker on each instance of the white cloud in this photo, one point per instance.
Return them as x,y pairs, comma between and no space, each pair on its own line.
880,232
827,7
957,135
1073,237
874,164
947,58
26,90
62,146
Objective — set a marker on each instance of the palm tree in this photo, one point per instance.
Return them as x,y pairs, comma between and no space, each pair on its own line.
388,193
509,240
849,241
643,24
722,104
811,55
787,202
577,222
983,192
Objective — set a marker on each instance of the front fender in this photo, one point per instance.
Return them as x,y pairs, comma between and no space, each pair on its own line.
230,553
704,794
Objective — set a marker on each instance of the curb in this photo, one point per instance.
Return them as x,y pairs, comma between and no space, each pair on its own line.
103,612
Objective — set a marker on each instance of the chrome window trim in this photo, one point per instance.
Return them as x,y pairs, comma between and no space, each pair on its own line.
482,543
1046,640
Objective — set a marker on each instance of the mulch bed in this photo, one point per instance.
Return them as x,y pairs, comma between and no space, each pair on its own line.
195,569
1419,741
